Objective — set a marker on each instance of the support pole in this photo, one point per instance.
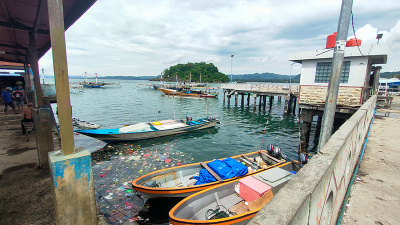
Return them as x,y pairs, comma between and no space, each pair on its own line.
271,100
248,99
242,100
337,63
255,101
224,96
265,102
35,69
56,23
306,128
229,99
260,102
236,98
294,105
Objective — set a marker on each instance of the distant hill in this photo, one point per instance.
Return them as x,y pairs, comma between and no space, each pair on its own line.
255,77
266,77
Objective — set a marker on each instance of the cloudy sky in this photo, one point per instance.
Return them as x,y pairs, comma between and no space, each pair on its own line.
142,38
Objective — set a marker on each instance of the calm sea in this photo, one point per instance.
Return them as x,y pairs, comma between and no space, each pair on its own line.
241,130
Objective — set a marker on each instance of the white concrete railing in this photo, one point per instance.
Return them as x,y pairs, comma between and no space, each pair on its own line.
316,193
276,88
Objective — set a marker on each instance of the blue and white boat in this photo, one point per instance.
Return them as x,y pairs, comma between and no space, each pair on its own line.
150,130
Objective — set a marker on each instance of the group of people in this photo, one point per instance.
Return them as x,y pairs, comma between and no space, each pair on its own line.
9,96
18,95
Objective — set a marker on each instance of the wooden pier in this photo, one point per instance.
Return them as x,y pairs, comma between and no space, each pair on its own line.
262,91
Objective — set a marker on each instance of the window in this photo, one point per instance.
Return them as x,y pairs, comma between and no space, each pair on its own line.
323,72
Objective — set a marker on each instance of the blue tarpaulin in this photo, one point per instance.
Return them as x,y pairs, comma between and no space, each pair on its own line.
227,168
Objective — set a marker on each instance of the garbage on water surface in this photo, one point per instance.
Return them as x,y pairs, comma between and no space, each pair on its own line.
115,166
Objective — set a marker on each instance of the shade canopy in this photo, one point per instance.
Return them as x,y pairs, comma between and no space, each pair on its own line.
19,18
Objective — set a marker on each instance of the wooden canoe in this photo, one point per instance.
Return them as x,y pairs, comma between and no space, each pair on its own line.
179,181
222,205
150,130
184,92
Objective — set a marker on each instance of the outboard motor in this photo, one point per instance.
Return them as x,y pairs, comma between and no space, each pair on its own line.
270,149
303,158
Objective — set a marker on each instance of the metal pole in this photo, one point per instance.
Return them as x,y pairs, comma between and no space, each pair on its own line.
337,63
231,66
57,36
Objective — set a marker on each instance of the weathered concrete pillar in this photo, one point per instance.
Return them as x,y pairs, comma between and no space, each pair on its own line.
294,105
285,110
248,99
242,100
42,121
236,98
255,101
306,127
73,185
265,101
271,100
279,98
318,128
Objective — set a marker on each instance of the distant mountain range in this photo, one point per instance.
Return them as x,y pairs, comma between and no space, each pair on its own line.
255,77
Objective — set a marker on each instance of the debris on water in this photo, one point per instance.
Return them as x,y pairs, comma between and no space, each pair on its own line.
117,165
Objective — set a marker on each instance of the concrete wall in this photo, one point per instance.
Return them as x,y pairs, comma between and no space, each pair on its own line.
357,73
316,193
312,94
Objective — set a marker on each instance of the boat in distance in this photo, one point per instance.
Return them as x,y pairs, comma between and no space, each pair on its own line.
234,202
150,130
187,92
182,181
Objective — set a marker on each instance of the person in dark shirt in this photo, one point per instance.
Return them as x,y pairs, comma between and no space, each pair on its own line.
8,101
19,99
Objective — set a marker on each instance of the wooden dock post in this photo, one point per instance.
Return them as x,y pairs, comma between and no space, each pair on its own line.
294,105
229,99
248,99
242,100
224,96
260,102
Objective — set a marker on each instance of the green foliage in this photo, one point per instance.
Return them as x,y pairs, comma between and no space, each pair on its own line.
209,73
390,74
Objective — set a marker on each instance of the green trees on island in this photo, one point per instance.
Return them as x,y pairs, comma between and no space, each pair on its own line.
195,72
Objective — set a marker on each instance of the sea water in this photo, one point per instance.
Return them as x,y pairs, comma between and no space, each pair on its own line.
115,165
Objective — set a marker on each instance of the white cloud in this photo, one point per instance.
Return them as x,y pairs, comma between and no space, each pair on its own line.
142,38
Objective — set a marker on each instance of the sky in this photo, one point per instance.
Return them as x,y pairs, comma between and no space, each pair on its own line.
145,37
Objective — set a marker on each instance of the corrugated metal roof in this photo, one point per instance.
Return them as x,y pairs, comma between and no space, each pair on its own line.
20,17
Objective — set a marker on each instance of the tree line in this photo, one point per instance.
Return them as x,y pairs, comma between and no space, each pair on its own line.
194,72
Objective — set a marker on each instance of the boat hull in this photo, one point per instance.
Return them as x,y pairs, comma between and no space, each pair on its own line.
111,137
176,179
193,209
172,92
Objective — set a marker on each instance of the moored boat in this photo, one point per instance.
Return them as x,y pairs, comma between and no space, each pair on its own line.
182,181
84,124
235,202
150,130
187,92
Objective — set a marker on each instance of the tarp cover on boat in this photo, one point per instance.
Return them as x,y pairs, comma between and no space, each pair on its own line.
227,168
140,127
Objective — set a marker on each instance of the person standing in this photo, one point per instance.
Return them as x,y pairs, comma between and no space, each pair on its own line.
27,116
6,94
19,99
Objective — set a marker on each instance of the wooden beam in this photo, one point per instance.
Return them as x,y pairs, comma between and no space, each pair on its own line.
39,13
210,171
